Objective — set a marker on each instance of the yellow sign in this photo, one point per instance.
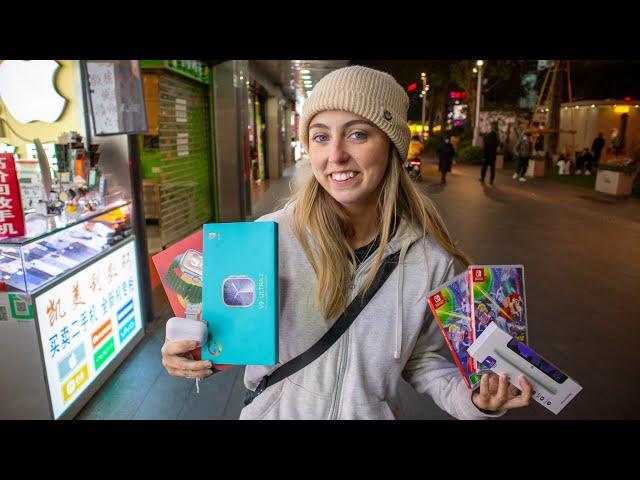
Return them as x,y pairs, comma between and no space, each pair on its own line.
621,108
71,386
415,129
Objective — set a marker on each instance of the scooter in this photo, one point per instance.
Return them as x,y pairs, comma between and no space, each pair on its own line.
413,168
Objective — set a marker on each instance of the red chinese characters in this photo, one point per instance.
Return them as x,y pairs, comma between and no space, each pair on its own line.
54,312
77,300
11,214
95,283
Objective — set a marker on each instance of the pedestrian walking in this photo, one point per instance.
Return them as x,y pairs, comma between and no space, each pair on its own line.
491,144
445,153
359,216
522,151
596,147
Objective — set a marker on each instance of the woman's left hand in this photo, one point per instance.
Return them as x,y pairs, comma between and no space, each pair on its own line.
497,394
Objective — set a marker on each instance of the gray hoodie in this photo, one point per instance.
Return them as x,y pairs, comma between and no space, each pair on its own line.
395,335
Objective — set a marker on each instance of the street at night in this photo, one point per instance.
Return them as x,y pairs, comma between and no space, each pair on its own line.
136,284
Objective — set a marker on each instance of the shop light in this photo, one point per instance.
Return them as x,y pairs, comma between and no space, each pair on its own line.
636,106
593,106
306,77
305,71
621,109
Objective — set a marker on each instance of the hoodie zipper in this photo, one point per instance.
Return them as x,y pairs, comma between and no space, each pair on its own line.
344,351
341,373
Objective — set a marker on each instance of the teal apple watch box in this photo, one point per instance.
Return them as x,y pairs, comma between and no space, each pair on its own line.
240,293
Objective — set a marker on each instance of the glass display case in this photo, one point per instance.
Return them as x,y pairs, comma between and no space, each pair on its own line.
56,245
69,297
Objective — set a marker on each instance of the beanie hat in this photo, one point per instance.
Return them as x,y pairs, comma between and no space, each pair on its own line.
369,93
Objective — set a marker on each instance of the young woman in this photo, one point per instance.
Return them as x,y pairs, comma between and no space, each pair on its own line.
358,208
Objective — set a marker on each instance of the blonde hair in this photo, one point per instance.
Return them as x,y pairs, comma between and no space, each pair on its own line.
318,215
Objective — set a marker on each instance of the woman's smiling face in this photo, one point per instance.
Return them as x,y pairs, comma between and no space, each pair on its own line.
349,156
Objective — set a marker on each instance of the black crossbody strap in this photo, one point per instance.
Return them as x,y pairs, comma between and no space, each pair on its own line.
335,332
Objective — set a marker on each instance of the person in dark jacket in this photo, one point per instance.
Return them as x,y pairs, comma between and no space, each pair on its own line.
491,143
445,152
587,161
596,147
522,150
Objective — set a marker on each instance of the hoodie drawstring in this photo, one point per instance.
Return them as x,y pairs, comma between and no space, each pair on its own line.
398,349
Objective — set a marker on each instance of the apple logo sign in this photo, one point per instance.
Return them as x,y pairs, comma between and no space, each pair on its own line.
27,89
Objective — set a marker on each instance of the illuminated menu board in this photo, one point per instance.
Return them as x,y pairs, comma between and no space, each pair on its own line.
85,321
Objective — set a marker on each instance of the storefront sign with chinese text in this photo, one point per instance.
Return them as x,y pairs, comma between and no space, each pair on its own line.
11,214
85,321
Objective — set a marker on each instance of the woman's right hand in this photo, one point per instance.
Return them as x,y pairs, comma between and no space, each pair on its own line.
178,360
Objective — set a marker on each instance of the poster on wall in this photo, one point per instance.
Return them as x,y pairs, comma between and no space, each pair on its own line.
85,321
116,96
182,144
181,110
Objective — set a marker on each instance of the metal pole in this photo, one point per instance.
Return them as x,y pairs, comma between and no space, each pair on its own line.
424,101
139,225
476,130
424,104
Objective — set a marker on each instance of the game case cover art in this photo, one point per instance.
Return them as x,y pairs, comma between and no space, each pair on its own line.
498,295
180,270
451,308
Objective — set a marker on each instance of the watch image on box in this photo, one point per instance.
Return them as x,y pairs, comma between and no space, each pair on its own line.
238,291
184,277
191,265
